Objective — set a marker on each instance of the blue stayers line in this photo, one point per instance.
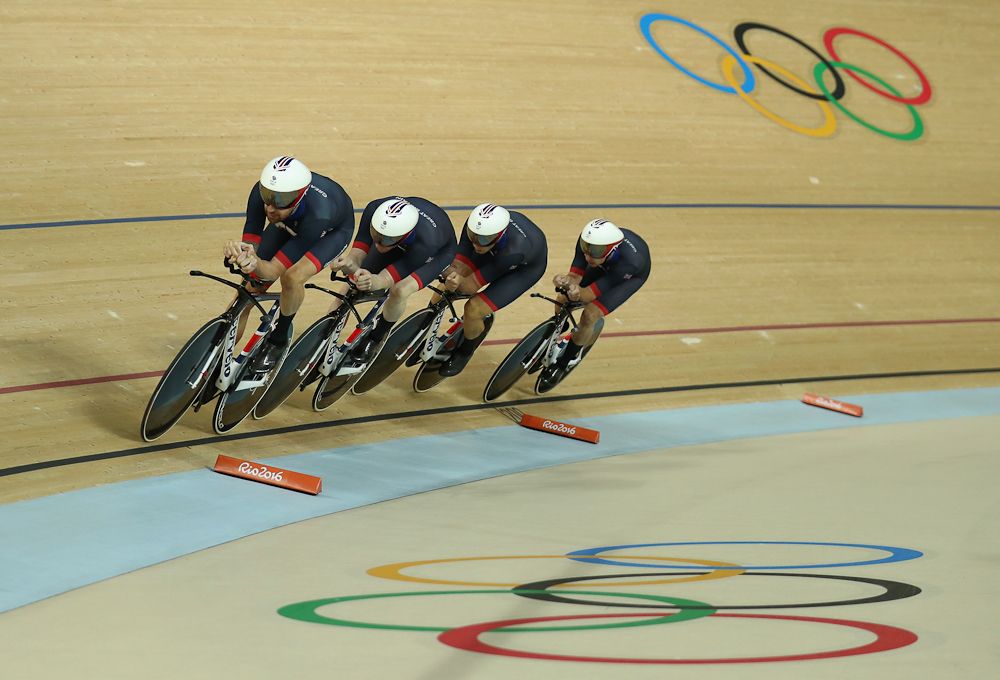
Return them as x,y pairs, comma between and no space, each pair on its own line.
552,206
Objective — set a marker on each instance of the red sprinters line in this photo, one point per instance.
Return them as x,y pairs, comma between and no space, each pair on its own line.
511,341
80,381
777,327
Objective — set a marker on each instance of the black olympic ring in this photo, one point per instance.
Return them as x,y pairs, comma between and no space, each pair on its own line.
838,91
894,590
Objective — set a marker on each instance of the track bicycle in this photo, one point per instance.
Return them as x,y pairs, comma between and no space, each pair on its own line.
539,349
206,368
317,356
418,339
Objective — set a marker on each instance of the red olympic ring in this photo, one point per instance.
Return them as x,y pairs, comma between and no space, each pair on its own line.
925,84
886,638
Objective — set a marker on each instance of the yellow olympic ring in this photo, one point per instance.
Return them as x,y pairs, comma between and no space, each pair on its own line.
394,571
829,125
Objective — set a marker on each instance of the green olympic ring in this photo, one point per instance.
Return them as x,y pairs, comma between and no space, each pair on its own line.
306,611
918,125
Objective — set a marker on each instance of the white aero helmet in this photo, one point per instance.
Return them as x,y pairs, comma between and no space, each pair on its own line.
599,238
284,181
393,220
487,223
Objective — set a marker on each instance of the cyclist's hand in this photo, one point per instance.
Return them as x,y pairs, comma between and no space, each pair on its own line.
232,250
344,264
573,292
363,279
247,261
561,281
452,281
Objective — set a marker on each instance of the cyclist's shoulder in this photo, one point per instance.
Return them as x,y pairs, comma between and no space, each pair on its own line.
525,223
326,191
638,243
432,214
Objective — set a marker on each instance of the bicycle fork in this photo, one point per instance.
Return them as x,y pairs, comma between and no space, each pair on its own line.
335,354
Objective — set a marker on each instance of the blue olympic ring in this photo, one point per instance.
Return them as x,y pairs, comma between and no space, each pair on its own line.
749,83
895,555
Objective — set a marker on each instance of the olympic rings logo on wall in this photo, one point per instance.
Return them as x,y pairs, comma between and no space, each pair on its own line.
817,90
571,589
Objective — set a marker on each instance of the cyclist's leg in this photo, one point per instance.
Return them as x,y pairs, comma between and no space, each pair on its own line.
301,258
592,318
257,288
479,311
328,249
476,318
395,306
392,311
399,293
271,248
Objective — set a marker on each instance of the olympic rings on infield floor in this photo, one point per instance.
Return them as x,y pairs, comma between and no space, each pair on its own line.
590,555
394,571
918,125
467,637
886,638
892,590
306,611
829,125
796,84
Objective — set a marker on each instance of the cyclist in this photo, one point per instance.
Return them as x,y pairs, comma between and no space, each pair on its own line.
501,254
402,244
609,266
297,222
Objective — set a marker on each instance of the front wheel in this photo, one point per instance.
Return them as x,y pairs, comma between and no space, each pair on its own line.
403,342
518,361
302,359
184,380
248,389
427,376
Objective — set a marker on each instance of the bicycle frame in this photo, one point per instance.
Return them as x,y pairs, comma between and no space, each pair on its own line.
431,349
335,352
231,366
331,351
550,350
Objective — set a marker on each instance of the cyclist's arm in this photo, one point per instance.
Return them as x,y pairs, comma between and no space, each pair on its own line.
410,262
381,280
576,270
269,270
584,295
608,283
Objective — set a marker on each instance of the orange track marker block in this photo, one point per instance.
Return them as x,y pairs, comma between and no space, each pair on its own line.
562,429
258,472
833,404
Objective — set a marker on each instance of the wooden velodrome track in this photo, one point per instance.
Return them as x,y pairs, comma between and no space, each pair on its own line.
132,133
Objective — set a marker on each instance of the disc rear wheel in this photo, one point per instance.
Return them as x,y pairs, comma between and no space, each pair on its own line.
301,361
427,376
402,344
518,361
